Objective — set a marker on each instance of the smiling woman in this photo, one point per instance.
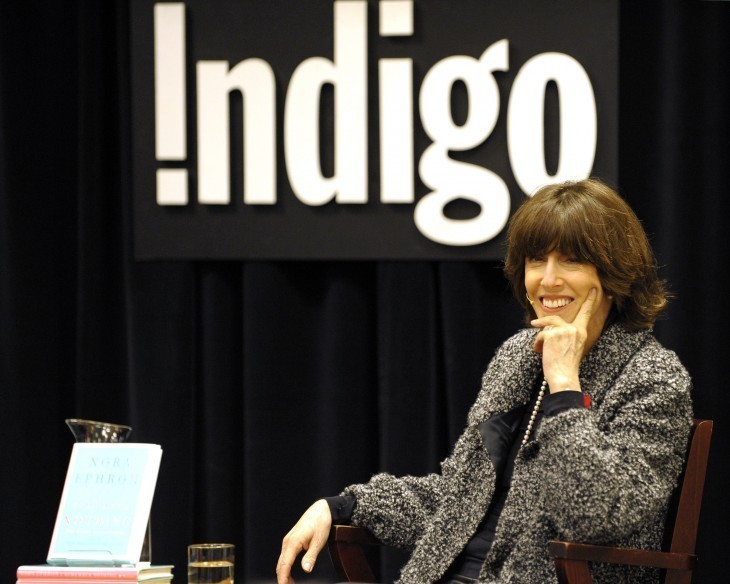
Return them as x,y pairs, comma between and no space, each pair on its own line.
578,432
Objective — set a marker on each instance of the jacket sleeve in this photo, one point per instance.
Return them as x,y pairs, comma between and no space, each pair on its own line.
609,470
399,511
396,509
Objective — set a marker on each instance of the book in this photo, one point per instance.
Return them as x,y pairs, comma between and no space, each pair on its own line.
157,580
105,505
162,580
46,573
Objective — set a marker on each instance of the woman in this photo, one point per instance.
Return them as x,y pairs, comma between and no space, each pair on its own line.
580,428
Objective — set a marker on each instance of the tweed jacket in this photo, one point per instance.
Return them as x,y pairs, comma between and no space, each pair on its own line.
600,475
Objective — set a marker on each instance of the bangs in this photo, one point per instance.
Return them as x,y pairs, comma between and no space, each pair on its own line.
548,228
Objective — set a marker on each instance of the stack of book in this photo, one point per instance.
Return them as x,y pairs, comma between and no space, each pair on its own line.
48,574
102,518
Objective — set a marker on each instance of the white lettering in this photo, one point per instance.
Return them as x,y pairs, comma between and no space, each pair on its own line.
449,179
396,130
526,124
348,75
170,102
396,108
396,17
172,186
170,127
255,80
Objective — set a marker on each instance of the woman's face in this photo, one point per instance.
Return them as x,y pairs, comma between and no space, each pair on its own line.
558,285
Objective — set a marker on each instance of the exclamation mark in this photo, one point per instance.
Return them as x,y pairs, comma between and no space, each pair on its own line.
170,104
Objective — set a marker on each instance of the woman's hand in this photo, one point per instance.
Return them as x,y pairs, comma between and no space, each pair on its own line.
563,345
310,534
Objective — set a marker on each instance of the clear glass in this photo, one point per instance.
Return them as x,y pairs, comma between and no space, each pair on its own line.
211,563
93,431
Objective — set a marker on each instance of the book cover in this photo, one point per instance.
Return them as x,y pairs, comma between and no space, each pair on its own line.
105,505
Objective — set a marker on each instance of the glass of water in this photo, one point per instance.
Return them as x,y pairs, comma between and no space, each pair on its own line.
211,563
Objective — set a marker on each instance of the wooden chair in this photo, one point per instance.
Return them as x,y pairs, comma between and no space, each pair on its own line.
678,561
349,546
350,549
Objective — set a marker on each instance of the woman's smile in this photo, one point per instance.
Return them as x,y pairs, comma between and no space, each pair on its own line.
552,303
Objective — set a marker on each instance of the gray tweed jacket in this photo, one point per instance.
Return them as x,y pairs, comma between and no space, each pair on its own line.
601,475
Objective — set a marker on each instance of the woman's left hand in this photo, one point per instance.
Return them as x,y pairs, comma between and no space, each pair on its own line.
563,345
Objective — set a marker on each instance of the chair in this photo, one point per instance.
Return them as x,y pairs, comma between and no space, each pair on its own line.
350,549
679,559
348,546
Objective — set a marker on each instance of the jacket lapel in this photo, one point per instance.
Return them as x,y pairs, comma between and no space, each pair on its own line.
607,359
507,382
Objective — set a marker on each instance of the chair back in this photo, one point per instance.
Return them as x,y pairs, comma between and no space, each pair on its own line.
684,514
676,559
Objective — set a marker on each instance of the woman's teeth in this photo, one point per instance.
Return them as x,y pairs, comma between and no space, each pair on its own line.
558,303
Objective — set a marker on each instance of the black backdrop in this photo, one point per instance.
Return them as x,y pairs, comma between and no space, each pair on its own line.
272,383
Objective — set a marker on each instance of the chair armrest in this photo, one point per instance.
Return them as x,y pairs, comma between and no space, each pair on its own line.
348,552
628,556
352,534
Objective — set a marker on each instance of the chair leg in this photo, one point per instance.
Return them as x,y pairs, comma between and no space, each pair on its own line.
572,571
678,577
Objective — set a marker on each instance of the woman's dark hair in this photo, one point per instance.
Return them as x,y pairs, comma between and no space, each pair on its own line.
588,220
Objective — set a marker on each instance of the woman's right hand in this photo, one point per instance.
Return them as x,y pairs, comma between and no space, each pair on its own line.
309,534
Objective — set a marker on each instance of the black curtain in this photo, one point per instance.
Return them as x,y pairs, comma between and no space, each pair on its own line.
270,384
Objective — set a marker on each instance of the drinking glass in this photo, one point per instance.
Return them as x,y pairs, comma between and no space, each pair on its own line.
211,563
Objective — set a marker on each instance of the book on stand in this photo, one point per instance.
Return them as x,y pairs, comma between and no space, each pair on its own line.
102,518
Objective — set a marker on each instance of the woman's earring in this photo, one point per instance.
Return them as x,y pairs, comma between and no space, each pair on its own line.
529,299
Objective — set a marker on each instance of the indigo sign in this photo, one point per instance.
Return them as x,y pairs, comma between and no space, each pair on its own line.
355,129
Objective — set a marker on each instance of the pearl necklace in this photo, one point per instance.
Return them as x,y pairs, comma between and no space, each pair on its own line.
536,409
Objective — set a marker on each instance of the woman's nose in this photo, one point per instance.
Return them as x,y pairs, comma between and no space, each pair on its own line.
551,275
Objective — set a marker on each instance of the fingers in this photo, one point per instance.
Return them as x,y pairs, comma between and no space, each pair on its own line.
547,322
551,331
542,336
310,534
315,547
289,552
586,309
539,341
290,549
